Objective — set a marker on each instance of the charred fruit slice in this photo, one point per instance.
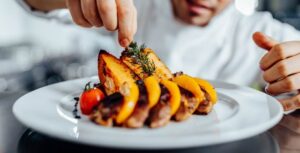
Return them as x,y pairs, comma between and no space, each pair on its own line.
210,97
208,88
149,96
189,84
117,107
130,91
174,93
141,110
191,96
153,90
112,72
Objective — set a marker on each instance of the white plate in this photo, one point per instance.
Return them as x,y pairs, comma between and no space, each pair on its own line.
240,113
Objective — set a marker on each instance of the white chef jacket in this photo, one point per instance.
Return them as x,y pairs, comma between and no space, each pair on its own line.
223,50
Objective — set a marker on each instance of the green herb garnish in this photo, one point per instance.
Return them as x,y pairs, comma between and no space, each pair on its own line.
141,58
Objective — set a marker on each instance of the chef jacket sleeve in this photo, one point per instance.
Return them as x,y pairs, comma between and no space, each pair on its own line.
61,15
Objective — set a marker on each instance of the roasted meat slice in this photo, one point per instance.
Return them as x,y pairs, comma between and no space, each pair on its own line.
205,107
160,114
139,116
141,110
188,105
107,110
167,106
114,109
191,96
144,62
211,98
149,96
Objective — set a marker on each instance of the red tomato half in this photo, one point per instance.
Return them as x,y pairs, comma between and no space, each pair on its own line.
90,98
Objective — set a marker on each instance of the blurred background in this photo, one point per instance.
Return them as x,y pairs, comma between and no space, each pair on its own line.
35,52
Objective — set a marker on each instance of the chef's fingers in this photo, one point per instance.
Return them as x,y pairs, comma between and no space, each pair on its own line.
126,21
292,103
279,52
282,69
287,84
263,40
90,12
108,12
74,7
134,22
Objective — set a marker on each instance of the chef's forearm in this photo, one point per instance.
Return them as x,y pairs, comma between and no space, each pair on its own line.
46,5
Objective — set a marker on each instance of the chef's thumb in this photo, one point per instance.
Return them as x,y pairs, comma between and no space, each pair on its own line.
264,41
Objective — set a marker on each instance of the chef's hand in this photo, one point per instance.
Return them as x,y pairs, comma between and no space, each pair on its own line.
281,68
114,15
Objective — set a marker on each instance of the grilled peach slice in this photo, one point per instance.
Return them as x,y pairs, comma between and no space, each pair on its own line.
188,83
149,96
191,96
117,107
130,91
166,106
208,88
174,93
112,72
153,90
210,96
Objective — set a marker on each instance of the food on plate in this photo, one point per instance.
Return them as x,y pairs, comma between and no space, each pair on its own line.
119,84
144,62
210,94
112,72
141,110
149,96
153,90
89,98
191,96
107,110
139,90
167,105
117,107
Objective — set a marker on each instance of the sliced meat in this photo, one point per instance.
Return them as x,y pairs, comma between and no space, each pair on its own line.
161,70
107,110
187,107
160,114
205,106
141,110
138,117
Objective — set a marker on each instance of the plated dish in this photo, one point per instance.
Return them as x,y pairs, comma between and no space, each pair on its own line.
240,113
138,90
230,113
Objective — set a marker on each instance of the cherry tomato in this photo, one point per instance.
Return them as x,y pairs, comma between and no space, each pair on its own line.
90,98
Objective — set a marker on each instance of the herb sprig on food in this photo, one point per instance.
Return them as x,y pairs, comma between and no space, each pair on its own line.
141,58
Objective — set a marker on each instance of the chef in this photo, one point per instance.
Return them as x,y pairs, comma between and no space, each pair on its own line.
204,38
